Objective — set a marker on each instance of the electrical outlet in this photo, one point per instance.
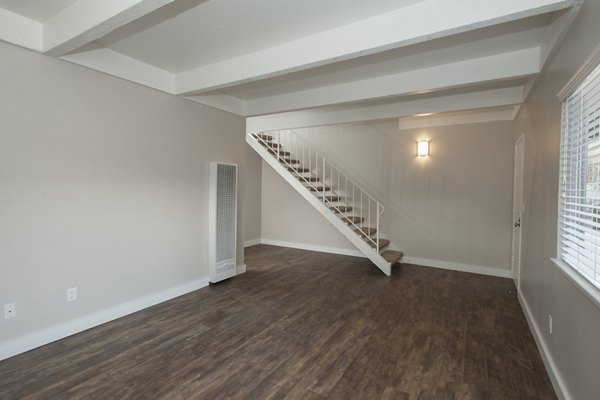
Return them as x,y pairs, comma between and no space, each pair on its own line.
550,323
10,310
71,294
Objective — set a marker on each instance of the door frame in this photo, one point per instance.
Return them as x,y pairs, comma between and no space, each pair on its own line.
518,209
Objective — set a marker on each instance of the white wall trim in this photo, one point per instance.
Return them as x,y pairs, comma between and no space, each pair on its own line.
313,247
588,66
454,266
424,262
557,381
42,337
252,242
240,269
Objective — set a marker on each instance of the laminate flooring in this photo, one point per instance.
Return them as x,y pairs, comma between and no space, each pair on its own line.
302,325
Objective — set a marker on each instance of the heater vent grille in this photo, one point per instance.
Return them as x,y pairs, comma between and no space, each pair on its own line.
222,221
226,202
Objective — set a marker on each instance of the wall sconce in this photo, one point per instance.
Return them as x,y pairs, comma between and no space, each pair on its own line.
423,148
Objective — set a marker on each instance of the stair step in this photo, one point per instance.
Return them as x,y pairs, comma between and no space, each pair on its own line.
308,178
353,220
364,232
299,170
341,209
383,243
262,136
279,152
272,145
331,198
392,256
319,188
289,160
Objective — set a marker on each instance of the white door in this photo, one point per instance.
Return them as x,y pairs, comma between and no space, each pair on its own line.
518,208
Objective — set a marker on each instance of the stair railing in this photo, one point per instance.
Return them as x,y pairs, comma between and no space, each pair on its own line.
302,156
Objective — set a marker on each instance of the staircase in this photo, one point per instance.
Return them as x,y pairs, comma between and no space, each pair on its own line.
353,211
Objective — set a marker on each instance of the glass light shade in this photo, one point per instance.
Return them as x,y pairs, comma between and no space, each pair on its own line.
423,148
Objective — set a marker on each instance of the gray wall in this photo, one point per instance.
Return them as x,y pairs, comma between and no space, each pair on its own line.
103,186
574,345
252,196
453,207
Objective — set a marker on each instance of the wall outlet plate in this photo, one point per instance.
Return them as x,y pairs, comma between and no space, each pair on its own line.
10,310
71,294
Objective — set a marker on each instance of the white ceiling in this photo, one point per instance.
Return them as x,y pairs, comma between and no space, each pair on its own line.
193,33
38,10
337,59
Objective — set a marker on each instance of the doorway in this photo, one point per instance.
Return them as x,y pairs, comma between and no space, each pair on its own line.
518,208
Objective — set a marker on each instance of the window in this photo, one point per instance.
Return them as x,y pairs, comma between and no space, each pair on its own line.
579,202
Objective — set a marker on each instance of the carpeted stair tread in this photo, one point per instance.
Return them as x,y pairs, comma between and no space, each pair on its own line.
383,243
262,136
308,178
330,198
289,160
279,152
363,232
353,220
269,144
392,256
298,170
319,188
341,209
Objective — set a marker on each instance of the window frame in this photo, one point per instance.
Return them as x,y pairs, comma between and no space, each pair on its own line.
581,282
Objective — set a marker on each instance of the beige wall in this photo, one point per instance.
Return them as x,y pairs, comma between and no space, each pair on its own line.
252,196
453,207
574,345
287,218
103,186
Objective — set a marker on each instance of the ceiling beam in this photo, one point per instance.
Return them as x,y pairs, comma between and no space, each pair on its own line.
459,118
222,102
498,67
19,30
399,28
319,117
88,20
556,32
119,65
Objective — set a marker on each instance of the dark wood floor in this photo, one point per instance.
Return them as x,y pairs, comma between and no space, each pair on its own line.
302,325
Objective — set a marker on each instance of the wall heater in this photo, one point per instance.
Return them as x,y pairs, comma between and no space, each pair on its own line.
222,221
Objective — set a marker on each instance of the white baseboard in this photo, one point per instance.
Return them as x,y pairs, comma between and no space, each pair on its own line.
252,242
312,247
557,381
240,269
28,342
476,269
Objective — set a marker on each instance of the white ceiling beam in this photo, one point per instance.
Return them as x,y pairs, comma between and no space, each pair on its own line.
222,102
556,32
460,118
88,20
422,21
19,30
447,103
469,72
119,65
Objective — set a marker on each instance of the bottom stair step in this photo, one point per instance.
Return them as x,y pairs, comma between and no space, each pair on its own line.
392,256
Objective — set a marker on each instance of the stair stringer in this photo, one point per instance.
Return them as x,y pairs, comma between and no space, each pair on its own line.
372,254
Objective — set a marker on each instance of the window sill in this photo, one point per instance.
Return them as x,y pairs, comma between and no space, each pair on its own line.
579,281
